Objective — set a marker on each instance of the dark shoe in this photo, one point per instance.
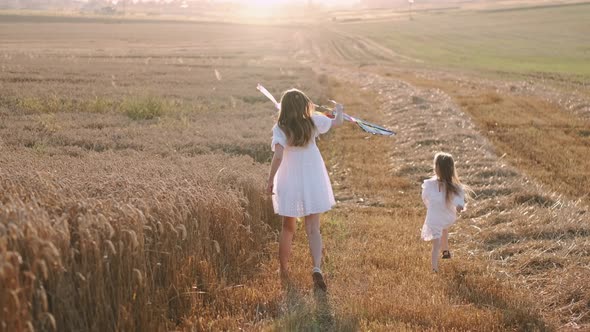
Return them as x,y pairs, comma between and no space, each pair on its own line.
446,254
318,281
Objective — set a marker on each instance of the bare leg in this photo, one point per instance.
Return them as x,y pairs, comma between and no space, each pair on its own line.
285,240
445,239
435,251
312,228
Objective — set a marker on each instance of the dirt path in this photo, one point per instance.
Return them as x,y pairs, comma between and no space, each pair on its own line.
524,234
517,240
377,266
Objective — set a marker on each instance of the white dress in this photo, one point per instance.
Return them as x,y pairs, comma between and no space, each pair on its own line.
439,214
301,185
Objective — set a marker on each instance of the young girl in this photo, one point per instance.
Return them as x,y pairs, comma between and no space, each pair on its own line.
298,178
444,197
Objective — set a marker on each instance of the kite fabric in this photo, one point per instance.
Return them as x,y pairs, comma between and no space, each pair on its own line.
269,96
368,127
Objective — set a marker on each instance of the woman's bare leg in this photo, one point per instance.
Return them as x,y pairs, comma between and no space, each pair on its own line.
435,251
312,228
445,239
285,241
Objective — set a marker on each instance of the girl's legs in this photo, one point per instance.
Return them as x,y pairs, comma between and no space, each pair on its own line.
285,240
312,228
445,239
435,250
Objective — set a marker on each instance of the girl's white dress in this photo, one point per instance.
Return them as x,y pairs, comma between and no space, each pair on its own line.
301,185
439,214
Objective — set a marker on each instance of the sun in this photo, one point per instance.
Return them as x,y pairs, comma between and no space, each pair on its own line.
262,8
266,3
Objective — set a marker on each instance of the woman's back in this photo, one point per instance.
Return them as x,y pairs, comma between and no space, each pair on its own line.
439,211
302,185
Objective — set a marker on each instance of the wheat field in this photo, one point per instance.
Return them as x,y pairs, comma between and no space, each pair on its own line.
132,178
133,159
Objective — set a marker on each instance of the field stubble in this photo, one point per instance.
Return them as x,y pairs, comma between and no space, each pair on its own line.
168,204
525,233
529,219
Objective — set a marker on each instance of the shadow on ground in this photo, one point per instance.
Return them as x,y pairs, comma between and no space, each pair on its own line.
312,312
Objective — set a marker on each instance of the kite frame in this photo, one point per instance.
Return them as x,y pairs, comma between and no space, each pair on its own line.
366,126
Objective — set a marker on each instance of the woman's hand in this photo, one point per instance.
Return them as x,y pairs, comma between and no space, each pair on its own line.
270,187
338,114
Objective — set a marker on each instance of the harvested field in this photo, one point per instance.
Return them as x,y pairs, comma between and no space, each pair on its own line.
134,156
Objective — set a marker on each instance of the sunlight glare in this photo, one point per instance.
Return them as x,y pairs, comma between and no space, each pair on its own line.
262,8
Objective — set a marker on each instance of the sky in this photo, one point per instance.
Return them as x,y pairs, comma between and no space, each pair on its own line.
274,2
271,2
258,3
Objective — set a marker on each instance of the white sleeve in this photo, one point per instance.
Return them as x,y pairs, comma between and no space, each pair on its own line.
278,137
424,193
322,123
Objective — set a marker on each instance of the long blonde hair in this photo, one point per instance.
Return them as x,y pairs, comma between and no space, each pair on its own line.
444,167
295,117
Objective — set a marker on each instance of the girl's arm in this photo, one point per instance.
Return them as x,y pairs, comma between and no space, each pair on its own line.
424,196
460,200
339,116
274,166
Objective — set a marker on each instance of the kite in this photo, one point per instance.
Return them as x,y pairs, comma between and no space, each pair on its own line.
368,127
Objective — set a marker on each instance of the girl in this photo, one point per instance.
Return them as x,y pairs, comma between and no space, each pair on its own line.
298,178
444,197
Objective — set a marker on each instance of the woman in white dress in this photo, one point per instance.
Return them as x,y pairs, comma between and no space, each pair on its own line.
444,197
298,179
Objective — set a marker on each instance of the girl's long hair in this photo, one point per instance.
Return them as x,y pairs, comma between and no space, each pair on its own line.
444,167
295,117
